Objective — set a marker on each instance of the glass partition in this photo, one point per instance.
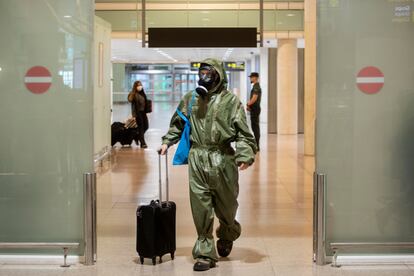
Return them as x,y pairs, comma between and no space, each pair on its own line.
126,16
365,120
46,140
122,21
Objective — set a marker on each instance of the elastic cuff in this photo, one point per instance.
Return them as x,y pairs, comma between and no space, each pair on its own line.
248,161
167,142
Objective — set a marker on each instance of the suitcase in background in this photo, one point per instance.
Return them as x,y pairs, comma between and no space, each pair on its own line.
156,224
119,133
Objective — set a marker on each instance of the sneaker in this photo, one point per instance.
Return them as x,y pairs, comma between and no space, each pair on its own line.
204,264
224,247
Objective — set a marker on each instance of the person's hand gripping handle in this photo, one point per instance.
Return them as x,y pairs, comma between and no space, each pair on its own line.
163,149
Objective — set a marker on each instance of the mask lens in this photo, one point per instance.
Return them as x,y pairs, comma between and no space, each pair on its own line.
207,78
205,74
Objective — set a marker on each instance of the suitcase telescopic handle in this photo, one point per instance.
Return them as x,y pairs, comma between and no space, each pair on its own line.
166,177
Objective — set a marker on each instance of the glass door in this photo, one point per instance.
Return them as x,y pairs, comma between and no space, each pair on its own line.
46,107
365,122
192,81
162,87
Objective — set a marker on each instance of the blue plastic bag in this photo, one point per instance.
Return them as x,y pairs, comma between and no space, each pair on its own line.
181,154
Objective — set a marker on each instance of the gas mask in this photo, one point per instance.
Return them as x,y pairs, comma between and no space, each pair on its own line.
209,78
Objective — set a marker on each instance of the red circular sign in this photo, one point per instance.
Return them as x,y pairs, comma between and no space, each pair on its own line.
38,79
370,80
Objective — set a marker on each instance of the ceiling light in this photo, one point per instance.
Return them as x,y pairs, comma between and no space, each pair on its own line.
1,69
67,16
290,14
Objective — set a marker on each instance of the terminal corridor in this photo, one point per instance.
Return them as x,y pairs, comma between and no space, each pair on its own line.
275,209
275,213
329,90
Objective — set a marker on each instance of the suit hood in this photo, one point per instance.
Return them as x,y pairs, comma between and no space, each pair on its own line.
219,66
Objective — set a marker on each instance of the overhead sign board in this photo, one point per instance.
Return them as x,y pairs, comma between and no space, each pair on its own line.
194,66
228,65
202,37
234,66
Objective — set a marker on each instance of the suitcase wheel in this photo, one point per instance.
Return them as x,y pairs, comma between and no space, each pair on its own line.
154,260
141,259
172,256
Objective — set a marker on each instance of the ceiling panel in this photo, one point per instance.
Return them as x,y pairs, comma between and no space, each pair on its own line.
130,51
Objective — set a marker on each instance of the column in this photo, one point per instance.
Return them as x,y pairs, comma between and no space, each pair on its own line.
264,55
243,87
272,91
310,75
287,87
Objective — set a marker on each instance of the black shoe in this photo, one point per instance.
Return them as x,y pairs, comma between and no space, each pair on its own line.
144,146
224,247
204,264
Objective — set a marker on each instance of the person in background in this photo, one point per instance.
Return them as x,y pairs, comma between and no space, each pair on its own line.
254,106
138,99
217,119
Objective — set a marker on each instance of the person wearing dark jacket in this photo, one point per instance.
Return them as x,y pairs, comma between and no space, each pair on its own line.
254,106
138,99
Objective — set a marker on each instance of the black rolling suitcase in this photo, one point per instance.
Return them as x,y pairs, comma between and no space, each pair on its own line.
119,133
156,225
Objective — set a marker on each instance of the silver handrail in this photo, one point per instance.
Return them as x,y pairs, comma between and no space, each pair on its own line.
104,153
43,245
336,246
35,245
319,251
90,218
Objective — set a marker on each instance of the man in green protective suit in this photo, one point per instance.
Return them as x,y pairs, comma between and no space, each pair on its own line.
217,119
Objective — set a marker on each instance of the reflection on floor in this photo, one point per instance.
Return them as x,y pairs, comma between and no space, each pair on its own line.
275,213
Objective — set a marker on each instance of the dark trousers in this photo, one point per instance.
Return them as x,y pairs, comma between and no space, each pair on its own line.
255,121
142,122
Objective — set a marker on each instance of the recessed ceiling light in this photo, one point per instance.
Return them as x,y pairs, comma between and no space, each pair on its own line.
290,14
1,69
67,16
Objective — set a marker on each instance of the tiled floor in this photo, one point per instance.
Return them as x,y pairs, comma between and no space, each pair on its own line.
275,212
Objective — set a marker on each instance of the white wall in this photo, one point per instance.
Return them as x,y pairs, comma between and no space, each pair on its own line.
102,85
264,60
243,88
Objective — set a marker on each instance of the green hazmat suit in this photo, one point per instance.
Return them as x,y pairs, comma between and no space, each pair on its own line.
217,120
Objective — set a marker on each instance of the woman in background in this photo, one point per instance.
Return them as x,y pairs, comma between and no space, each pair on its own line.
138,99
